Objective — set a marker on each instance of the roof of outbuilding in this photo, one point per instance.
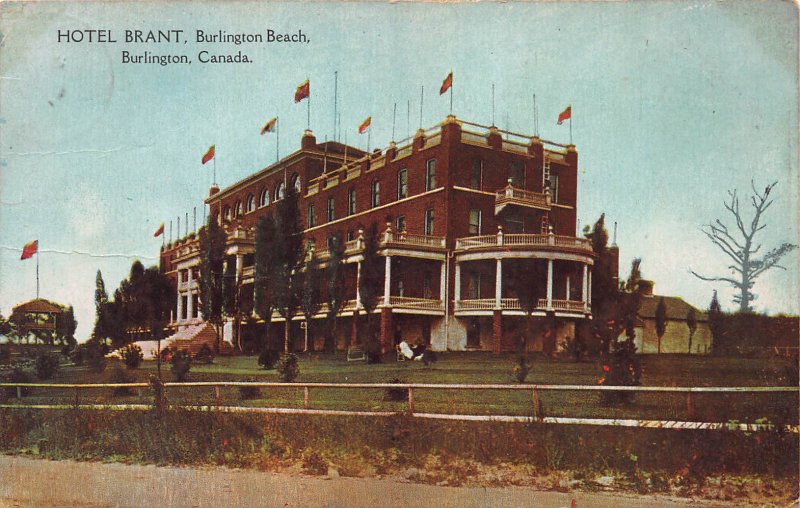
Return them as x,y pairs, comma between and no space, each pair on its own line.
38,305
677,309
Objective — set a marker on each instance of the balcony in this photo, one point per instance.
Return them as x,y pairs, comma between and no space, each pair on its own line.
487,305
510,195
524,240
406,302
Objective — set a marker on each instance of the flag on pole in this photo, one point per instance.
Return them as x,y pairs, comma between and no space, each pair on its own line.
159,231
209,154
446,84
303,91
565,115
364,125
269,126
29,249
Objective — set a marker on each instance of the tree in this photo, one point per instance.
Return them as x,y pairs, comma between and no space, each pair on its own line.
336,296
715,317
524,278
605,290
287,258
370,288
231,300
262,298
742,247
212,257
661,320
100,307
310,301
691,323
66,326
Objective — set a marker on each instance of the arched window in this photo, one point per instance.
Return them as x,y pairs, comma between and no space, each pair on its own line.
376,194
264,199
296,183
239,209
251,203
226,214
279,192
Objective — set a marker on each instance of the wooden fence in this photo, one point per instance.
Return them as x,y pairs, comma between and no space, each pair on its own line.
411,389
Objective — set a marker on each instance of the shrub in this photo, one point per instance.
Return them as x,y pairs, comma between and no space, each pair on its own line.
181,364
249,392
396,394
622,369
429,357
205,355
76,356
119,375
5,353
46,365
132,356
521,369
17,375
94,355
159,393
268,358
289,367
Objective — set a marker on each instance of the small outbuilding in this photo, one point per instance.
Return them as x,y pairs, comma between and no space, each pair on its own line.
678,337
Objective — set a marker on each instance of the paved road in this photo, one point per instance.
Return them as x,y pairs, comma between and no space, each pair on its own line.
60,484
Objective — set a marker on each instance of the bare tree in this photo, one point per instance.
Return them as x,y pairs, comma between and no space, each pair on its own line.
741,246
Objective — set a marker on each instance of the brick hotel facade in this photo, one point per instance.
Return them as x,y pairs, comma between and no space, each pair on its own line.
465,212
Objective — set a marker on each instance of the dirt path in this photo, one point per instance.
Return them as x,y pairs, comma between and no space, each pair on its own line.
29,482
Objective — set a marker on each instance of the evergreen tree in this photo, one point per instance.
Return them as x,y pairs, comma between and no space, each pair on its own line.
661,320
715,319
287,255
691,323
66,326
605,291
231,301
262,296
370,289
524,282
336,297
310,301
100,305
212,257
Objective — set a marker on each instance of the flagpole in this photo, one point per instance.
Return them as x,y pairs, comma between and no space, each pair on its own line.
215,166
394,117
451,91
421,100
369,137
335,100
535,118
178,235
408,117
493,105
37,271
277,138
170,231
570,127
308,109
194,219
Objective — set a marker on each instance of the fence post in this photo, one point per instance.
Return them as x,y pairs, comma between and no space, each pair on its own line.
19,392
77,401
537,408
216,396
410,400
689,406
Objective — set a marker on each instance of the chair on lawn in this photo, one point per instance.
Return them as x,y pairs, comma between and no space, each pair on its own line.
356,353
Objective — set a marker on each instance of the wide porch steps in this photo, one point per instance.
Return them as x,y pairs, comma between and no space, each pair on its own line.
192,338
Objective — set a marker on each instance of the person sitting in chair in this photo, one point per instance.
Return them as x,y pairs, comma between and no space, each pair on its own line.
406,350
418,350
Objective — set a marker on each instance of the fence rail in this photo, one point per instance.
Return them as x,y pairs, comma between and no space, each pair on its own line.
411,389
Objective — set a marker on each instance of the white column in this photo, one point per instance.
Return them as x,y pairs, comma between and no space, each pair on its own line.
239,267
457,289
387,281
585,287
498,285
567,294
179,313
549,283
443,283
590,288
358,285
190,295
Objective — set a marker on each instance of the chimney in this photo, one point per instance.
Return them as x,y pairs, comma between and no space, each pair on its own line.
213,190
308,141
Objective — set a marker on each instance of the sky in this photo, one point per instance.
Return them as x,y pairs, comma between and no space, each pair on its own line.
673,104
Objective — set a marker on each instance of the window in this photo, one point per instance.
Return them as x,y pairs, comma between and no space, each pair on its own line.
376,194
516,173
476,175
474,222
296,183
427,291
401,223
430,174
264,199
251,203
553,188
310,218
239,209
226,214
402,184
429,221
350,236
351,202
331,214
474,286
279,192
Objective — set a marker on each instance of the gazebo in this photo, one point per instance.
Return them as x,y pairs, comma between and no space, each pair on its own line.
37,317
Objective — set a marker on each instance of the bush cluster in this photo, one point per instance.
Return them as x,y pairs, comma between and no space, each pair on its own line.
289,367
204,355
181,363
268,358
46,365
132,356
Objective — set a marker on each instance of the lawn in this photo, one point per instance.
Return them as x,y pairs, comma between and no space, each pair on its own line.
474,368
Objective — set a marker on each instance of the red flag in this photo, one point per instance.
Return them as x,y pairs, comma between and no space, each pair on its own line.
364,125
209,154
269,126
446,84
159,231
29,249
565,115
303,91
